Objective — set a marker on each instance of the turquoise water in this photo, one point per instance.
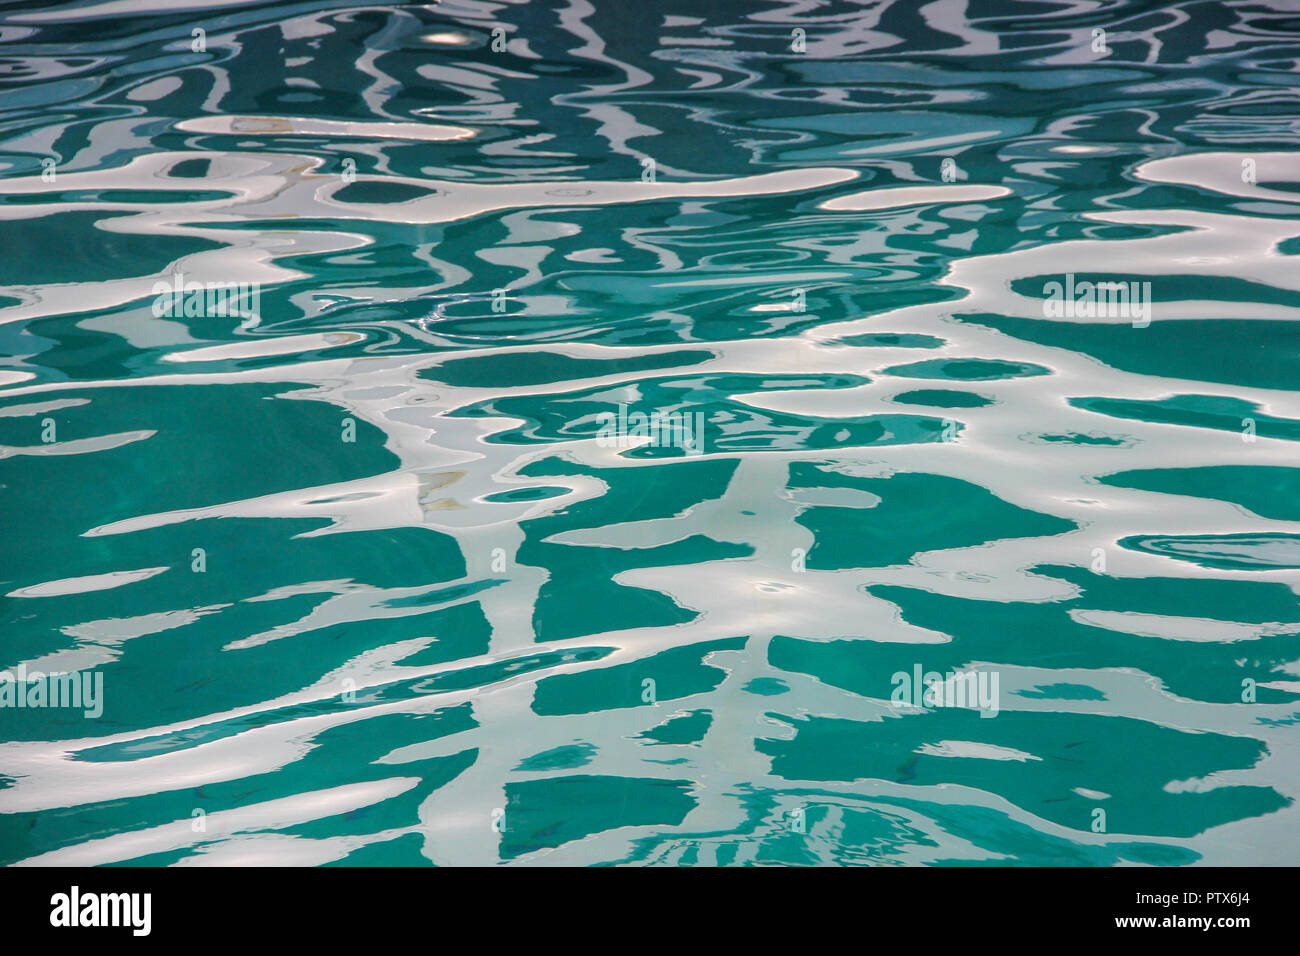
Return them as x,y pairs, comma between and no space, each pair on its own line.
367,561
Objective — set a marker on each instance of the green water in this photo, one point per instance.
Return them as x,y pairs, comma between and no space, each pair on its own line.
634,404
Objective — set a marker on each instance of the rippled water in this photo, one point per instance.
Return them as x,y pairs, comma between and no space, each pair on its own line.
362,578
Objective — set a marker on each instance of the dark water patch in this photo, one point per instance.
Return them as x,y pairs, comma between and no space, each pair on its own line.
967,370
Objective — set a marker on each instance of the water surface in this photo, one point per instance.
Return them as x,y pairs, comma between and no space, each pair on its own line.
364,584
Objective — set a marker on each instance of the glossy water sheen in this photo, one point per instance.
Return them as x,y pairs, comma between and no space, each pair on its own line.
432,644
